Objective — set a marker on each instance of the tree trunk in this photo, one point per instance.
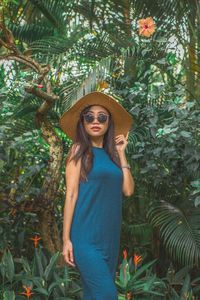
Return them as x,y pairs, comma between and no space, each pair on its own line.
192,56
44,204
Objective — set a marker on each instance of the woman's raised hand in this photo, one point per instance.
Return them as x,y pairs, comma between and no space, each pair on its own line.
68,253
121,142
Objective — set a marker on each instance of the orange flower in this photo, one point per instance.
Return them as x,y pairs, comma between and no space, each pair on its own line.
146,27
137,259
102,85
28,292
35,240
125,254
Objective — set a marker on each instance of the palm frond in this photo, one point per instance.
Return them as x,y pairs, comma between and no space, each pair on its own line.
19,127
52,10
97,47
179,233
136,135
56,44
31,32
70,92
22,120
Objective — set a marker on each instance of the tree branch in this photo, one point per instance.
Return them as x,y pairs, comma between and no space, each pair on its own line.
41,94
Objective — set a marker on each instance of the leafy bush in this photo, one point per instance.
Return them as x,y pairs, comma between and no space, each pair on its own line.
40,276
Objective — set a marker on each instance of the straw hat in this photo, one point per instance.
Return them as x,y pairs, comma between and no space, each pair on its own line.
122,119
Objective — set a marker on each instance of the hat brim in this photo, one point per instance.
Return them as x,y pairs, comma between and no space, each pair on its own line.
122,119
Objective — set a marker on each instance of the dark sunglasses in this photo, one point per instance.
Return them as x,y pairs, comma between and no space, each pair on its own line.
89,118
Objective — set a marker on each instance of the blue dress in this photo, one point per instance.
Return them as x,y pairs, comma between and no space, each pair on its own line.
96,227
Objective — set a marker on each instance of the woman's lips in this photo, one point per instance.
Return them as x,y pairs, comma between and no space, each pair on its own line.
95,129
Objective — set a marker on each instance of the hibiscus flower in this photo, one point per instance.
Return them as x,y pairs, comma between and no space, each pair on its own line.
146,27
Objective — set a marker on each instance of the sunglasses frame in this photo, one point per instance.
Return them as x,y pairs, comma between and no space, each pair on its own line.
93,117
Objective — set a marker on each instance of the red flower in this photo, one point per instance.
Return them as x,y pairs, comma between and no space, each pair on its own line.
28,292
35,240
146,27
40,86
125,254
137,259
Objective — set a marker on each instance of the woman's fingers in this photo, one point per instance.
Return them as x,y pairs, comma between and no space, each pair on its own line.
68,261
120,138
69,258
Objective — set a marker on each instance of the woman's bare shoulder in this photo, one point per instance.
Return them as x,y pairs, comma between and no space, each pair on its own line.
73,150
75,147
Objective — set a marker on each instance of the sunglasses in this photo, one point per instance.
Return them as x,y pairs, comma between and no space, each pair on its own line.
89,118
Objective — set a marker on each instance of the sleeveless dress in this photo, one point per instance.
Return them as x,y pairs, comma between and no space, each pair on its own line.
96,227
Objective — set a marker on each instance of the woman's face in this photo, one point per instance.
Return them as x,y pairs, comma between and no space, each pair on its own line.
96,128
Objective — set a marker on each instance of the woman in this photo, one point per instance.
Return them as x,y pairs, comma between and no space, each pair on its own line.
97,173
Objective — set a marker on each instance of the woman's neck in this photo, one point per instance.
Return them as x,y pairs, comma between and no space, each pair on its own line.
97,143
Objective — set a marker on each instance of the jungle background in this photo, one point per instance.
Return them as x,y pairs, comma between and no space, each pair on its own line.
147,55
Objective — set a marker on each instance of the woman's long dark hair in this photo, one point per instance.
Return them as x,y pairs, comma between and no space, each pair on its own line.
85,147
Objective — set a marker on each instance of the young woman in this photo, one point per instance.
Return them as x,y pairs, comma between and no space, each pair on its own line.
97,173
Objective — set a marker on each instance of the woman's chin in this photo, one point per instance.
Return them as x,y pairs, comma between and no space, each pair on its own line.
96,134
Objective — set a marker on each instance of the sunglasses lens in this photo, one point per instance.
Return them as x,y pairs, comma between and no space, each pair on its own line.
102,118
89,118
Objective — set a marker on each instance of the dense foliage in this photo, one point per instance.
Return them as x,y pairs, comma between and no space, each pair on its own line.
144,53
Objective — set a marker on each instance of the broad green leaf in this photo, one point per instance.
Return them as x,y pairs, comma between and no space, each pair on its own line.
38,263
124,274
2,269
50,268
42,291
179,232
26,265
141,270
185,290
9,295
7,261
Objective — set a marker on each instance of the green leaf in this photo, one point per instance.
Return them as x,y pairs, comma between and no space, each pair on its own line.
197,201
2,270
42,291
186,286
9,295
141,270
38,263
49,269
26,265
180,233
7,261
124,273
149,283
185,134
175,296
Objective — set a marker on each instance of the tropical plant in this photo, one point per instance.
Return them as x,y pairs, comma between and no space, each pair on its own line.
135,280
145,54
40,277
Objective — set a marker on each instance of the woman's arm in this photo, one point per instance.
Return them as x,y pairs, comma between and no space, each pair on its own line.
72,184
128,181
